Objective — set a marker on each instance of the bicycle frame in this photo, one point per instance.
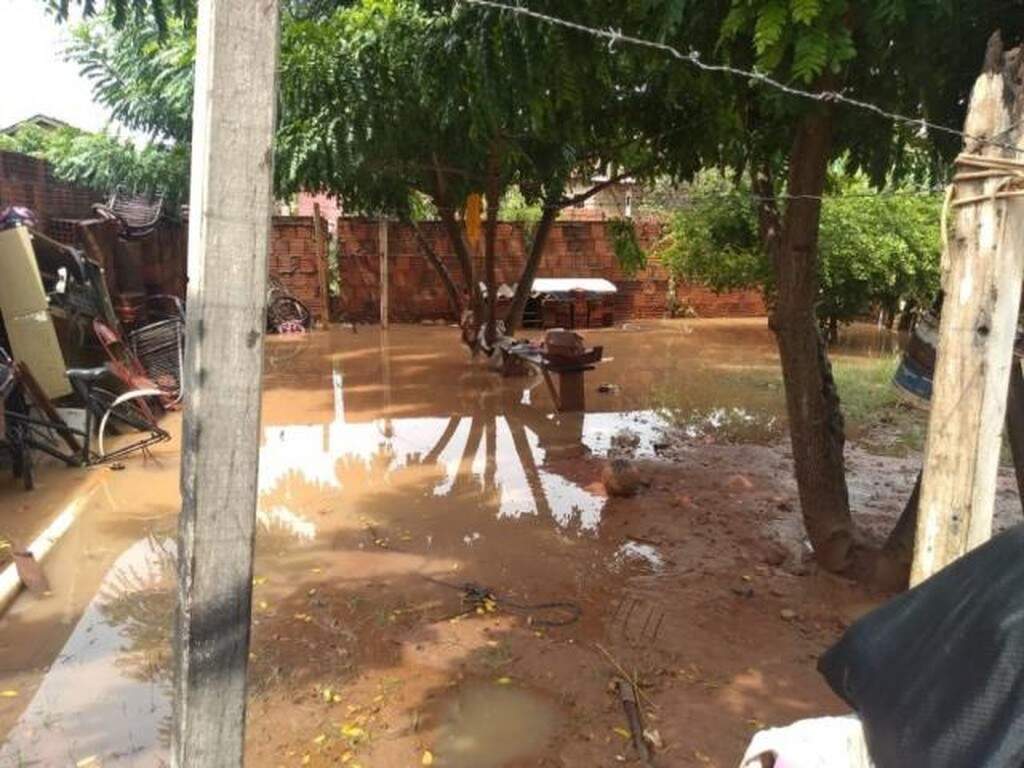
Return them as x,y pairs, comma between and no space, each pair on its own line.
84,456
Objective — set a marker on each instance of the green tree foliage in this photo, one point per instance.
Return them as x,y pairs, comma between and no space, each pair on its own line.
877,251
628,253
120,11
104,162
387,102
712,239
143,78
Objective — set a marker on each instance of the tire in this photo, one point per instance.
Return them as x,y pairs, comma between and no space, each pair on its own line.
126,417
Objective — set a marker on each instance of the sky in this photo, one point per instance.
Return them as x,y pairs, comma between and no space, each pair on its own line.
36,79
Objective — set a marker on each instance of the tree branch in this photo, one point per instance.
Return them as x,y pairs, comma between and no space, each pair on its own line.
455,235
566,202
439,266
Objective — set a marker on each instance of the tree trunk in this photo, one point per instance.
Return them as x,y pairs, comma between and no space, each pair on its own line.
1015,424
892,567
812,403
446,211
515,311
454,297
490,240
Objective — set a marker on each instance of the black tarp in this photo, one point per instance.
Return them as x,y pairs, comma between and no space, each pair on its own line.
937,673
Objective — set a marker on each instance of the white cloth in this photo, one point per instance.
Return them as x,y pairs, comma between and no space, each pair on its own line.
822,742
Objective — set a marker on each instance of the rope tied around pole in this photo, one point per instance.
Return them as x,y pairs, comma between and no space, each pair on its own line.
975,168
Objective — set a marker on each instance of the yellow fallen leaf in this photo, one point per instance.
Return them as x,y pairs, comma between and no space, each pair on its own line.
346,757
258,580
327,694
428,758
320,739
305,759
336,698
317,570
352,731
87,761
9,694
503,680
263,605
623,732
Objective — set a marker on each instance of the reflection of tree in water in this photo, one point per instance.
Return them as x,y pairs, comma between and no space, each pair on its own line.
294,488
139,603
354,471
277,525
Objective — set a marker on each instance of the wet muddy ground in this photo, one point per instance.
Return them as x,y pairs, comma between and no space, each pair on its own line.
441,578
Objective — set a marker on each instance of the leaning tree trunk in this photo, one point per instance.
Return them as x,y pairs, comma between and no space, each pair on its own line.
812,403
515,311
490,241
454,297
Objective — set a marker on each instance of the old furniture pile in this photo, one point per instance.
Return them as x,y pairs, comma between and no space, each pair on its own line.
78,362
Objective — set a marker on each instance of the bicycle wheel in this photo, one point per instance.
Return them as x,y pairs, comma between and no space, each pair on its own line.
125,417
117,413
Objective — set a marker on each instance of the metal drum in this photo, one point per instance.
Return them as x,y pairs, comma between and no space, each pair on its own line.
913,377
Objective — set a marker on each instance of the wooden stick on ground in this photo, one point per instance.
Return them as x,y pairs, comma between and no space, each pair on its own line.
628,696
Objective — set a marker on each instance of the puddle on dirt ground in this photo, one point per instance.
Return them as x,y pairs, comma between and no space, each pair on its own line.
489,726
107,695
383,458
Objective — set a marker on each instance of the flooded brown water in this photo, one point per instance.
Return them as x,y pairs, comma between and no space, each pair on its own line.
384,459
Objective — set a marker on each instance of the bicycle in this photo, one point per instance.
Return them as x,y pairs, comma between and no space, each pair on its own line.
45,431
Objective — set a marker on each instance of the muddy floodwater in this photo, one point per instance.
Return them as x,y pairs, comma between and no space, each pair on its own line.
441,577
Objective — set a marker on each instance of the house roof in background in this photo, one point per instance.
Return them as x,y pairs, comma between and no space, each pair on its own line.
39,120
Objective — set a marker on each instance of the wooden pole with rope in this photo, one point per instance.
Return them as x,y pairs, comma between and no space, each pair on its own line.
983,265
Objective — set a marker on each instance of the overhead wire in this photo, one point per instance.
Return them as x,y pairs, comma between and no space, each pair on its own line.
693,58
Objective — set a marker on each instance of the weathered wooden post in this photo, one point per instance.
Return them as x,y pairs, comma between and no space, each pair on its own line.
382,248
230,203
983,264
322,265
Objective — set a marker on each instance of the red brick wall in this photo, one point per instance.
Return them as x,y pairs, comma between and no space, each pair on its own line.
294,256
573,249
29,181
